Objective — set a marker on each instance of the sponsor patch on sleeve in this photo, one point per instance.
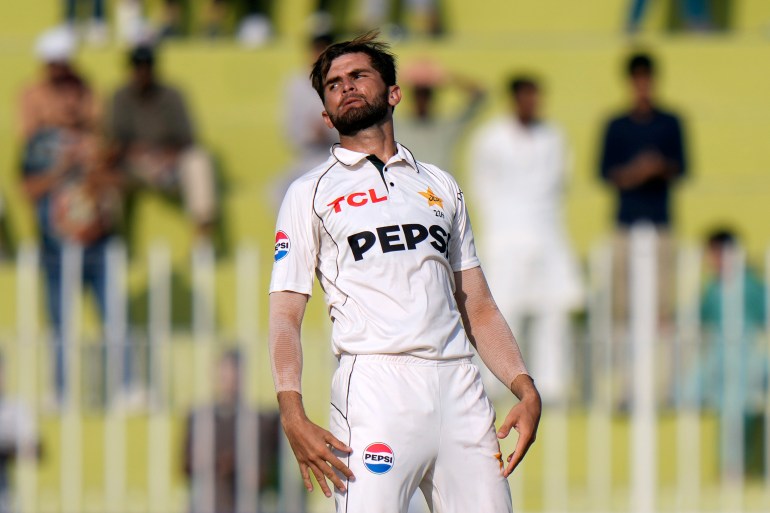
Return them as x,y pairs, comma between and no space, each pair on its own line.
282,245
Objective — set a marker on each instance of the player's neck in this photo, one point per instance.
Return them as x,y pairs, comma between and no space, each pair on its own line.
375,140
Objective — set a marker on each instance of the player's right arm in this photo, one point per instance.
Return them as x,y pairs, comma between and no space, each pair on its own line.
297,247
312,445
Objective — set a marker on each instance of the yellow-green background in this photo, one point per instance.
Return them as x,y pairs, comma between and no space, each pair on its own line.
719,82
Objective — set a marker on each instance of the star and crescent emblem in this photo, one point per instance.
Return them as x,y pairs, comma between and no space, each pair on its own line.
432,198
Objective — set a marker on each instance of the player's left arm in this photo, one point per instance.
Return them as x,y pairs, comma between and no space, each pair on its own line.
499,351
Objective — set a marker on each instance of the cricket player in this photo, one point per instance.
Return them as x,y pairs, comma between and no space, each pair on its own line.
390,241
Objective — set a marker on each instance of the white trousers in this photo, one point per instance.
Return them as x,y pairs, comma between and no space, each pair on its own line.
416,423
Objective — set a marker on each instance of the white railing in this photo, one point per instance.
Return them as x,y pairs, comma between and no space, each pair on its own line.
597,451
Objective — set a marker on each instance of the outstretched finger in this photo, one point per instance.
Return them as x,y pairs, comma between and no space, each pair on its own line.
323,463
306,477
335,478
319,476
344,469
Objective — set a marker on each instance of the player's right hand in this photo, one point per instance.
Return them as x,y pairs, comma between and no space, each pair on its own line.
312,446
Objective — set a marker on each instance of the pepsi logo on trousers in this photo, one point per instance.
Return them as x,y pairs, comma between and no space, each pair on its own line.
378,458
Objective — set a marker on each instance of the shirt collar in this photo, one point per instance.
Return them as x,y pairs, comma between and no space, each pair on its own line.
350,158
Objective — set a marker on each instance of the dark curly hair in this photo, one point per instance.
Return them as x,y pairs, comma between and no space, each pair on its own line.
379,53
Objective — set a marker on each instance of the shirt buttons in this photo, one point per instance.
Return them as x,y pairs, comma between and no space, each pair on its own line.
392,184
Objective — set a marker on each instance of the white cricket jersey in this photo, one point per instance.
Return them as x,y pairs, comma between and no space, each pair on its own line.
384,245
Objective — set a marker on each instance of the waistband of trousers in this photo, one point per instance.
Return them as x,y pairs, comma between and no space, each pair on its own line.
402,359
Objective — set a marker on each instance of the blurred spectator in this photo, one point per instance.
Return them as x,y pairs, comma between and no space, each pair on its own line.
429,136
403,17
331,16
214,448
41,103
305,130
253,19
752,318
19,439
153,141
97,30
731,374
131,26
643,156
693,14
76,200
172,24
518,173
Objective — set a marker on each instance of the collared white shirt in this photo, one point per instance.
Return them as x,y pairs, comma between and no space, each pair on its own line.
384,245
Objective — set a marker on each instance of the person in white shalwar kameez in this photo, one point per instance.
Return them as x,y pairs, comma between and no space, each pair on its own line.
518,172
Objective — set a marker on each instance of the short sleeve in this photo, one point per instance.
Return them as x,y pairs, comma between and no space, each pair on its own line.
462,247
296,241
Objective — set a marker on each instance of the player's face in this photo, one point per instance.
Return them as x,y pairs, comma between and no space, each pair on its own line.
355,96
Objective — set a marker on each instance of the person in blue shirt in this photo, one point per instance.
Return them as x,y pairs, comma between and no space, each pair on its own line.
643,156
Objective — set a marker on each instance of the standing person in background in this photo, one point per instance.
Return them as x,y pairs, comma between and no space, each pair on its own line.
332,16
695,15
751,366
42,104
97,30
253,18
390,241
77,201
305,130
153,142
430,136
730,372
642,158
220,441
403,17
518,170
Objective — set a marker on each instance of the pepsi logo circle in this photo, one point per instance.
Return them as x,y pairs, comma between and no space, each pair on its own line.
378,458
282,245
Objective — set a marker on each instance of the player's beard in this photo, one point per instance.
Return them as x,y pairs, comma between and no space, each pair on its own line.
356,119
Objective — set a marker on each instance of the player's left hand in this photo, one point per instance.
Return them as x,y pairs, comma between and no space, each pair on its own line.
524,418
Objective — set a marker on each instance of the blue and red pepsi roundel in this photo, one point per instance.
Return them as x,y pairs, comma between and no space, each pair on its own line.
378,458
282,245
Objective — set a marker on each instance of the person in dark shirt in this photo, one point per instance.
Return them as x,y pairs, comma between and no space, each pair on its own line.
230,452
643,155
151,132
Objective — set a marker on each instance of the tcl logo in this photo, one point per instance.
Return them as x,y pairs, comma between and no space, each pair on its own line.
357,199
